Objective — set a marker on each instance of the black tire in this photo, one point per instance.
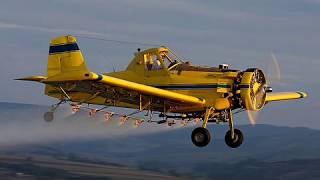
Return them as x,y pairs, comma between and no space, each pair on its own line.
48,116
200,137
237,141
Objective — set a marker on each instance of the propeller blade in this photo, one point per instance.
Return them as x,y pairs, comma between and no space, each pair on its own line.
273,76
274,71
276,66
252,115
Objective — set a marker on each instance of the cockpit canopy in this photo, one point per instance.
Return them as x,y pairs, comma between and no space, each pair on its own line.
159,59
156,59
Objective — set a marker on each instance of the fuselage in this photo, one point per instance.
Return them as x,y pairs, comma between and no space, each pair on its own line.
157,67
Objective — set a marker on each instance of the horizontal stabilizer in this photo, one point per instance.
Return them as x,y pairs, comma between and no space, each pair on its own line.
32,78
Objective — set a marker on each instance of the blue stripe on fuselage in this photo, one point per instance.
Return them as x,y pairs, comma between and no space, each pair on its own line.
100,77
192,86
246,86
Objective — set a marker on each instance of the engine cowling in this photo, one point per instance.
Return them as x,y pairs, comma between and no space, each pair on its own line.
253,89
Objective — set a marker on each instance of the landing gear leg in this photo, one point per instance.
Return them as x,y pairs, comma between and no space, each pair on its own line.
49,116
201,136
233,137
206,116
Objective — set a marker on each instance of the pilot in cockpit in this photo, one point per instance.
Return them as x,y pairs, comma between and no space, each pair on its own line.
153,63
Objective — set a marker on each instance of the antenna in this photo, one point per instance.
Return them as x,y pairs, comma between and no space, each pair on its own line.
118,41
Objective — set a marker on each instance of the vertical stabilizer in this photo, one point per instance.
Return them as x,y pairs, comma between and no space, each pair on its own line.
65,57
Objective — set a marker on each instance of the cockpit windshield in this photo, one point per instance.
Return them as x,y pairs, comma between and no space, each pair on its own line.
169,58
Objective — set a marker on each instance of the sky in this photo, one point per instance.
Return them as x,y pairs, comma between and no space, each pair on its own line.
207,32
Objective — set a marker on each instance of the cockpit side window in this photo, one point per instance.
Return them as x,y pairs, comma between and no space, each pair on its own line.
157,65
153,62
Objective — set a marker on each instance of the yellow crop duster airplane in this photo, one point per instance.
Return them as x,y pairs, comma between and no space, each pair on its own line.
157,81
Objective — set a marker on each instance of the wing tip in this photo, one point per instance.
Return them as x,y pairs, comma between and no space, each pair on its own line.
302,94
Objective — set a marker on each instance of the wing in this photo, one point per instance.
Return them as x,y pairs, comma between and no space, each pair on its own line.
115,90
280,96
149,90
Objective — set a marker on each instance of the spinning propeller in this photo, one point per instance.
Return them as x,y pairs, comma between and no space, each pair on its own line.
259,87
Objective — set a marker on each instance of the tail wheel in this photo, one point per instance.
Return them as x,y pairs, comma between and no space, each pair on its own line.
48,116
200,137
236,141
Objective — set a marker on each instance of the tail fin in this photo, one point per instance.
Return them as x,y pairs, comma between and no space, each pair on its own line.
65,57
65,62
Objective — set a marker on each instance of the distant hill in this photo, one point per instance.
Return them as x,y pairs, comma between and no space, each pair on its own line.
266,148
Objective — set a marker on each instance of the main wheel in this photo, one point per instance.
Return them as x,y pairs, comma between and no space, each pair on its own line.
48,116
200,137
236,141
